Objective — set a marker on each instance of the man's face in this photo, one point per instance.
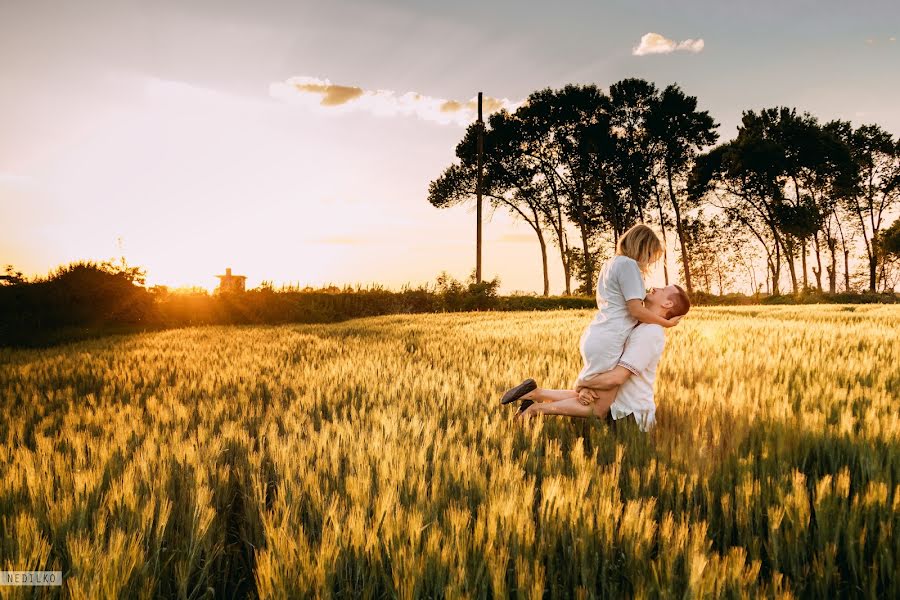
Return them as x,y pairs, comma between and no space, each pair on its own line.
660,299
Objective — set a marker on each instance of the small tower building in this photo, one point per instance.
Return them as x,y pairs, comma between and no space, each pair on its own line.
230,283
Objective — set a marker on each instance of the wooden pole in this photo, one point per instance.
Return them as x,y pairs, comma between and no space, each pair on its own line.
480,127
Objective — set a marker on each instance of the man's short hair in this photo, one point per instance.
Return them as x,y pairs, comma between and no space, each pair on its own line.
681,304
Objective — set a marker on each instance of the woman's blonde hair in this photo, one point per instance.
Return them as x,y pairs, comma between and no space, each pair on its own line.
642,245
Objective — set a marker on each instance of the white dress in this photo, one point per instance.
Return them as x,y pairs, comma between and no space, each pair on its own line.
603,340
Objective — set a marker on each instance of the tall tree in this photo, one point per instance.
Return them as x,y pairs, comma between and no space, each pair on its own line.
743,177
889,240
631,104
507,182
876,174
790,132
707,236
538,118
828,179
678,132
798,221
524,190
565,133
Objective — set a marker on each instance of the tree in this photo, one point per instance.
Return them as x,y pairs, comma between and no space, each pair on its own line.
565,133
876,190
631,104
524,192
678,132
132,274
790,133
540,154
508,180
12,276
743,179
833,232
889,240
798,221
829,180
709,238
889,249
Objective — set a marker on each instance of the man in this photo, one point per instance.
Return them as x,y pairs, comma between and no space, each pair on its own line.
633,377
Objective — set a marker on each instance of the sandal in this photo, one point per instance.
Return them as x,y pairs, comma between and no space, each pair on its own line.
517,392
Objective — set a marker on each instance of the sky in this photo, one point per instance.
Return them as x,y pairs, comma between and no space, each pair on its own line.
294,141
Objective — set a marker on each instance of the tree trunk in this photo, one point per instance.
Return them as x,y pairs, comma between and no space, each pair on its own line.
792,267
832,270
540,236
753,285
792,271
588,263
662,226
719,275
873,271
554,219
680,230
803,265
776,272
846,270
818,262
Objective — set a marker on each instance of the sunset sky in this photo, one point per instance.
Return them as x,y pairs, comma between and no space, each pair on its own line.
294,141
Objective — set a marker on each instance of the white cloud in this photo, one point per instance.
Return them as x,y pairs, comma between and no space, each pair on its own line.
321,94
654,43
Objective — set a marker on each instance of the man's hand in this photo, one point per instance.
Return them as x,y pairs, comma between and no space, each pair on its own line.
604,381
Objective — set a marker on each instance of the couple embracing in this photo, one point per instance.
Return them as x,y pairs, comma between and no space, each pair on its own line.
621,346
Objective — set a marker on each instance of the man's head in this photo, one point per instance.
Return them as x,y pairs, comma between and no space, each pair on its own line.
670,301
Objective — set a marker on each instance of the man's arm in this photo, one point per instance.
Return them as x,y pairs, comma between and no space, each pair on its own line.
610,379
642,346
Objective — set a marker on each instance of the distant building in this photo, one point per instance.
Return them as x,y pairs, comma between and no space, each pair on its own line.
230,283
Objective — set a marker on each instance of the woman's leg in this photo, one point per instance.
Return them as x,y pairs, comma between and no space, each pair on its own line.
571,407
542,395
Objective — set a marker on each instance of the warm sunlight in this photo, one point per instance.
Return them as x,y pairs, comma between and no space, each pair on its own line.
395,299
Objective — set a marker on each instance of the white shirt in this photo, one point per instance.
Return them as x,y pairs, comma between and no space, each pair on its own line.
643,349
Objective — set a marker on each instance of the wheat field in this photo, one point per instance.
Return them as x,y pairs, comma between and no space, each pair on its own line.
371,459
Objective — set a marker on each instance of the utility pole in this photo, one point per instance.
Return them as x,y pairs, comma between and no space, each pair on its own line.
480,128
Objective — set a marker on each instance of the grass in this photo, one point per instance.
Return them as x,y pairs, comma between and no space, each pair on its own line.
371,459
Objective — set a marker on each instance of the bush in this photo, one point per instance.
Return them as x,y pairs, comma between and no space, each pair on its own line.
840,298
85,299
82,295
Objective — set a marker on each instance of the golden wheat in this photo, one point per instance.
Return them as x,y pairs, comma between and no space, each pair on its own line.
371,458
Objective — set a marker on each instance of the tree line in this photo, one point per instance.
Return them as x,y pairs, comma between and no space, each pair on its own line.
86,299
789,192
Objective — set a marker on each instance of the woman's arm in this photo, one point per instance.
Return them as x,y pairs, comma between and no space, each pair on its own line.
643,314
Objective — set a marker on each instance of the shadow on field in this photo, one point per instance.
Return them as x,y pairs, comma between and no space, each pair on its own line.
215,549
813,507
827,541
